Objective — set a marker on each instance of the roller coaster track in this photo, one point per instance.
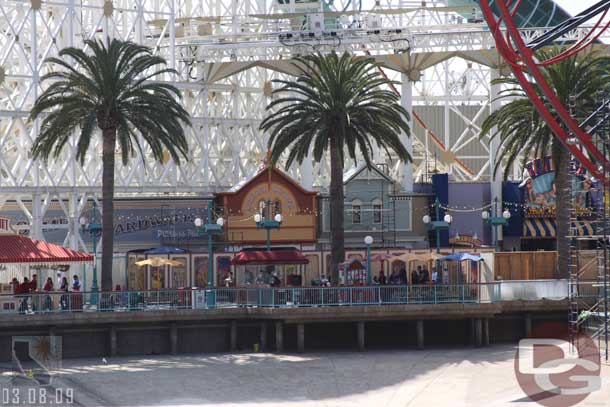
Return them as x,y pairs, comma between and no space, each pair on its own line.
522,60
433,136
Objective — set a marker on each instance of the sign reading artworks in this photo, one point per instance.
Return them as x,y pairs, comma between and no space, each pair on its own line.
540,194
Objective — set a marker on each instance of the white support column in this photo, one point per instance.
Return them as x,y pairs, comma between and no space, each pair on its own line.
36,225
206,136
406,100
73,223
494,146
172,34
447,114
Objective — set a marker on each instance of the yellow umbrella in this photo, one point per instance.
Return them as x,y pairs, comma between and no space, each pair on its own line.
158,262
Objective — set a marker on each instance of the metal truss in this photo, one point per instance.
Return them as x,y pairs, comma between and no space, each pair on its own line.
227,52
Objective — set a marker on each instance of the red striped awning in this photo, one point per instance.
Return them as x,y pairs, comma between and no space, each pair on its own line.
269,257
22,249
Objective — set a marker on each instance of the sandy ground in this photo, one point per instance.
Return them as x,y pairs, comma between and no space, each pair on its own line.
430,378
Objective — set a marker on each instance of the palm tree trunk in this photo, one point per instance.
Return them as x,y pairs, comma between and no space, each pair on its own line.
337,233
109,141
563,192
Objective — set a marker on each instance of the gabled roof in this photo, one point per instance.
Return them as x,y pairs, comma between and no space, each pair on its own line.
263,172
354,171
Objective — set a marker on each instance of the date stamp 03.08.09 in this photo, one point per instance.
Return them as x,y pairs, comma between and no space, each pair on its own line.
32,378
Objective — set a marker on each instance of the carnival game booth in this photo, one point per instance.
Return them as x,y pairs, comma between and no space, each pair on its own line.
22,257
159,268
402,267
460,276
262,270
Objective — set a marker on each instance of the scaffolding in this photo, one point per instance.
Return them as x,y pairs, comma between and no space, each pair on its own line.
590,255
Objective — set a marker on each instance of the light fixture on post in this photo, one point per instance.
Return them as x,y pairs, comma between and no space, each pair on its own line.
368,241
496,221
210,229
263,222
438,225
95,230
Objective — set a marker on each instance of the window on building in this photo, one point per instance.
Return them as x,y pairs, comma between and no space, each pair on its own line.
356,212
261,208
277,208
377,210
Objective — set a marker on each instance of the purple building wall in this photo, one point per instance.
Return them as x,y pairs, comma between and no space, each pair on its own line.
469,195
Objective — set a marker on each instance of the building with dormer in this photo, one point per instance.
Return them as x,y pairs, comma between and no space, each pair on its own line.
375,205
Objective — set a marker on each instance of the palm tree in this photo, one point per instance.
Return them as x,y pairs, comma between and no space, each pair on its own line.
338,104
109,88
523,132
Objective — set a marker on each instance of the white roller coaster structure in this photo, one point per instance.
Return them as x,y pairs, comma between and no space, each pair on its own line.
226,53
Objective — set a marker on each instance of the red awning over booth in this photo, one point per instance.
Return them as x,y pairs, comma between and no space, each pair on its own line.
269,257
22,249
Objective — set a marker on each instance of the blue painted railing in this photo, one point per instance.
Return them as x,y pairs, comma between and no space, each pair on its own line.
154,300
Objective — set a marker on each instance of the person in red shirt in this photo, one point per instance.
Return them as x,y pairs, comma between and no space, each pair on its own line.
24,287
34,283
48,302
48,286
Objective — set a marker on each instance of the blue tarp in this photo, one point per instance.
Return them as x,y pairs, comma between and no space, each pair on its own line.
460,257
165,250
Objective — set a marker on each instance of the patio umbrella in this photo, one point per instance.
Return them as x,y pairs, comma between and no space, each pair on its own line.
158,262
381,256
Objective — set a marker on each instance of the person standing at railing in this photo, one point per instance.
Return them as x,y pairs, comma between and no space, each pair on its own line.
425,276
15,284
77,298
65,299
34,283
382,278
402,276
48,287
34,288
76,283
434,276
22,291
415,275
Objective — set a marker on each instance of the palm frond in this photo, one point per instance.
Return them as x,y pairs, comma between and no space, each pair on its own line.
335,99
110,86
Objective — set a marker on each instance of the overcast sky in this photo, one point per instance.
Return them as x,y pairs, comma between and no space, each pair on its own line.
575,6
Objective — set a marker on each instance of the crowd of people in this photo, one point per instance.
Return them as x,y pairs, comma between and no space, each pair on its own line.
419,275
31,298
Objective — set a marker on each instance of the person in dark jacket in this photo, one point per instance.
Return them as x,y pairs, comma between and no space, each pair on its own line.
415,275
382,278
48,286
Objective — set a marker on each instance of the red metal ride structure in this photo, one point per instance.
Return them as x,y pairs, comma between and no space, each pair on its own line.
520,56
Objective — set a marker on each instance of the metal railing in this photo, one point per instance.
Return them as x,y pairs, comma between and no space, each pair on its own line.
196,298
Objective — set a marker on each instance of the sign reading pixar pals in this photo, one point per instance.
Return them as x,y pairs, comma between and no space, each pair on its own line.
540,194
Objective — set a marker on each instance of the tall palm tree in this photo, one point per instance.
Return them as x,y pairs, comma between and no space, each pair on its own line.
109,88
523,132
338,104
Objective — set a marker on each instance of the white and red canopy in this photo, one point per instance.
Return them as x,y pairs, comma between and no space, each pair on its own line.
17,249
